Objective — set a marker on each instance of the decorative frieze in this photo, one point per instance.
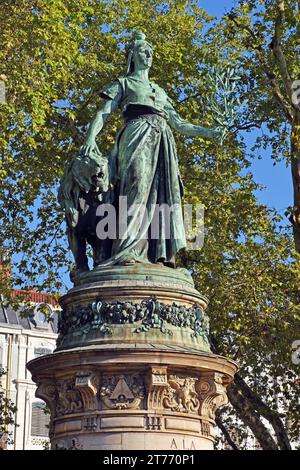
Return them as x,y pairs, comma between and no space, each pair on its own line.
81,320
181,395
156,391
198,395
61,397
212,393
122,392
97,402
47,391
69,399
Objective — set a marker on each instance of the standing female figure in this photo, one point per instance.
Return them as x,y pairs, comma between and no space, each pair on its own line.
144,161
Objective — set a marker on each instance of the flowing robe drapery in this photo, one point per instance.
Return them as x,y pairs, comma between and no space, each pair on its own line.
145,172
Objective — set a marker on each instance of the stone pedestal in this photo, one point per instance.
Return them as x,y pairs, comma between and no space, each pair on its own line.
133,368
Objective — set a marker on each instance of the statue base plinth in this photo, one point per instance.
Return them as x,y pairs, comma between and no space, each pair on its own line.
133,367
126,397
136,272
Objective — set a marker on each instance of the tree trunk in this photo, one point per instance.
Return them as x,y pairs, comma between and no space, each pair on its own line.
251,409
225,432
266,412
251,418
295,167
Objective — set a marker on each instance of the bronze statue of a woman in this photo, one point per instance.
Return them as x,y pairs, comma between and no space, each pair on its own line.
143,162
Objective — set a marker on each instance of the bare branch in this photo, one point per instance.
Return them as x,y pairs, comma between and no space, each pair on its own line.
251,409
249,125
277,48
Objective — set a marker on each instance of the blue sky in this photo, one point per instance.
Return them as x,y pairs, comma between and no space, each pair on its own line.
276,179
216,7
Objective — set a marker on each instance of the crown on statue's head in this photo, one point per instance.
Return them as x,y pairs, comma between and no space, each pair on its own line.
136,37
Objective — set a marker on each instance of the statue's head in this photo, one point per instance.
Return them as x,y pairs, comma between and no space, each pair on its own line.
139,53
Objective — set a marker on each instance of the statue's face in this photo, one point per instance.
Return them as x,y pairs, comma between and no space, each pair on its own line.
142,56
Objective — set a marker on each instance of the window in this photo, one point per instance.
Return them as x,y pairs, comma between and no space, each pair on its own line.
39,420
41,351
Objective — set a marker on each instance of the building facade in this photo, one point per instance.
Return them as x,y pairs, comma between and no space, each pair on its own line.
22,339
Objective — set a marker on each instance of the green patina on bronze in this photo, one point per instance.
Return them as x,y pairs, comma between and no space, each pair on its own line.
138,272
79,322
143,167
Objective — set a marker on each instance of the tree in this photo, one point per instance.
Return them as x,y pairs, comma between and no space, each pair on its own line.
261,38
58,55
268,49
246,271
7,413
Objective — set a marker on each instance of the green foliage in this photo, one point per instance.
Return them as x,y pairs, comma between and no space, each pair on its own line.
56,56
7,413
249,31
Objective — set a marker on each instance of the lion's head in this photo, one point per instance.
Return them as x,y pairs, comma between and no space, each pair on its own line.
90,172
85,173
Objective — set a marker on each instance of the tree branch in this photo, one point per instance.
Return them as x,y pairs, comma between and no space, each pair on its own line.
250,408
287,108
277,49
266,412
226,434
249,125
250,417
295,167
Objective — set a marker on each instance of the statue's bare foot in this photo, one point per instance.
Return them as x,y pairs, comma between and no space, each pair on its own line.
163,262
